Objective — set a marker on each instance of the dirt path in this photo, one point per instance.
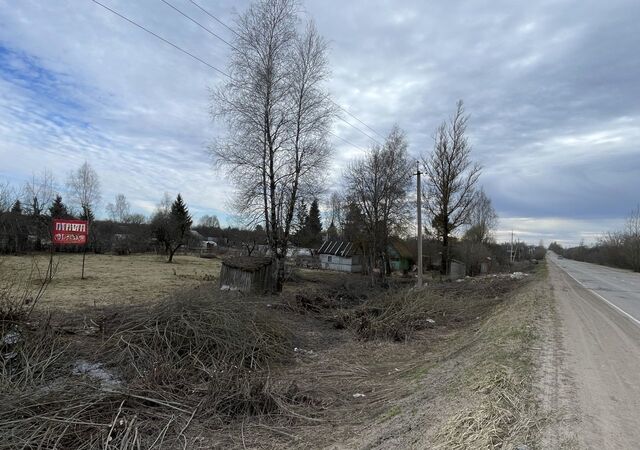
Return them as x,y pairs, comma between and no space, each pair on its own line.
591,371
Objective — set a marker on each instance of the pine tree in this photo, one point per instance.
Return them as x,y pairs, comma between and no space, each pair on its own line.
180,222
58,210
87,214
354,224
17,207
332,232
314,225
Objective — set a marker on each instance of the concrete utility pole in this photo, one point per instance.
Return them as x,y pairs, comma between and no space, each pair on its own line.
419,198
511,250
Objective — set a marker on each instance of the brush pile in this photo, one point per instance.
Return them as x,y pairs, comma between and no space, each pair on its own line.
188,357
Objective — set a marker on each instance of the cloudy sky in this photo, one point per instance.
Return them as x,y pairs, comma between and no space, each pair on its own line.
552,87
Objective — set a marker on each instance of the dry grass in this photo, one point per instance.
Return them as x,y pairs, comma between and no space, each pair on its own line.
501,409
114,280
197,354
397,314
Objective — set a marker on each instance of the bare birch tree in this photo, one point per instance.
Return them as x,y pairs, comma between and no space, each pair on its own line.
38,192
482,219
450,180
84,189
120,211
337,210
378,184
7,195
277,113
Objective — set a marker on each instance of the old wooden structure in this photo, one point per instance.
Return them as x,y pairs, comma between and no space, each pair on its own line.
250,274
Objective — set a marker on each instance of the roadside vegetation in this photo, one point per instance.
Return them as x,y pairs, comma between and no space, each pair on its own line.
206,368
615,249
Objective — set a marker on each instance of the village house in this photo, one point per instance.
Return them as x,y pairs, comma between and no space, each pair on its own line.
340,256
400,257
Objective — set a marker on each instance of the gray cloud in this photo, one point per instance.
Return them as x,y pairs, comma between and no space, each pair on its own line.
551,87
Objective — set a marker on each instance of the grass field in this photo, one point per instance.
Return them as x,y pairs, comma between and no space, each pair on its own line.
109,279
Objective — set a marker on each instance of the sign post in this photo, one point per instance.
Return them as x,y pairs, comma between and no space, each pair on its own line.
71,232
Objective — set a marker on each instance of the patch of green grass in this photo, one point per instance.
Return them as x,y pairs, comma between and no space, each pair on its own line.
418,373
391,412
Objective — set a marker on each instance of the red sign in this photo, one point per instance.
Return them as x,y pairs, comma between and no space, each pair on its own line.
70,232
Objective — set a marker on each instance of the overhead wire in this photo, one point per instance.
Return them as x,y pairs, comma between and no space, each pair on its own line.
202,61
166,41
217,19
199,24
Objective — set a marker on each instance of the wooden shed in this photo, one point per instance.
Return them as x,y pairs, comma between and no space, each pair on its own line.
250,274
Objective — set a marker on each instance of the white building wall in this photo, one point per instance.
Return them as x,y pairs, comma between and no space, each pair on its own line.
340,263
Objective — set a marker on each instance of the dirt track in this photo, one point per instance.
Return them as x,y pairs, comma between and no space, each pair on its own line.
591,369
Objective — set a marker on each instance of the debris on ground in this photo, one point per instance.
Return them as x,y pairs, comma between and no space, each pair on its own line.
11,338
95,371
518,275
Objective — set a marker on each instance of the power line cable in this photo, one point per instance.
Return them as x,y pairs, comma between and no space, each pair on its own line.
177,47
199,24
232,30
162,39
215,18
346,141
358,129
345,110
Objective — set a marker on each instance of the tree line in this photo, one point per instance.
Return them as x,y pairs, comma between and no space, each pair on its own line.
615,248
26,216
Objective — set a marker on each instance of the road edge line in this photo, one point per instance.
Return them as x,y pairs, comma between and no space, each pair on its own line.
620,310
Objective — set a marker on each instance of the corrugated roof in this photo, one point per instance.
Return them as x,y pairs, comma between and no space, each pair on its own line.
337,248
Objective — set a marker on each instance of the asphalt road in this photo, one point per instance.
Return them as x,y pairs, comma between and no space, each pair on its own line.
597,354
619,288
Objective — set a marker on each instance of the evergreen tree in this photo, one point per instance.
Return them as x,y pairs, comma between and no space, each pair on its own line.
58,210
87,214
314,224
332,232
17,207
310,232
180,222
354,224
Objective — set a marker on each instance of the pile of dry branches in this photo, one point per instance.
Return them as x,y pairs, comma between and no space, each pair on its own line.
189,357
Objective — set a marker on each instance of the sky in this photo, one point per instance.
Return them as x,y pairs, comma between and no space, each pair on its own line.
552,89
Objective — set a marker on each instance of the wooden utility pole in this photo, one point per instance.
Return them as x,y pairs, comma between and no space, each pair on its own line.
419,204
